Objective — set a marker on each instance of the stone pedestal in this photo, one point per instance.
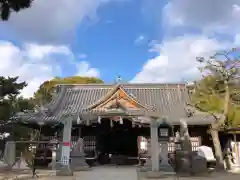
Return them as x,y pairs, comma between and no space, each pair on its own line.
64,170
3,165
190,163
9,156
183,164
164,164
21,164
148,164
198,165
78,163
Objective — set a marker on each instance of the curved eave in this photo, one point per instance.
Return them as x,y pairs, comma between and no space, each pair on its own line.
54,103
199,119
50,107
36,117
57,99
36,125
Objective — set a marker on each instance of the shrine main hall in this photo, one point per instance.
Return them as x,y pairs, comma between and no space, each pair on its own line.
114,119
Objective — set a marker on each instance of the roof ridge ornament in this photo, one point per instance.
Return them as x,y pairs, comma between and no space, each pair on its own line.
118,79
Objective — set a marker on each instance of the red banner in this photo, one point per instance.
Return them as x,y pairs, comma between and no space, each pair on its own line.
66,144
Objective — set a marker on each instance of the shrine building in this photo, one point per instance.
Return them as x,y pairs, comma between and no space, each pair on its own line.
114,119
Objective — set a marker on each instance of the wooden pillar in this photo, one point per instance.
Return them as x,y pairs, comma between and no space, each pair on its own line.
66,148
154,145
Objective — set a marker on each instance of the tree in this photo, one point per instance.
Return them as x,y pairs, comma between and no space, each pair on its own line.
9,90
10,104
216,92
208,98
7,6
45,91
23,104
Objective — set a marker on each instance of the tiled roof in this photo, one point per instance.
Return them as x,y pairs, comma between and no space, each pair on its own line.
166,99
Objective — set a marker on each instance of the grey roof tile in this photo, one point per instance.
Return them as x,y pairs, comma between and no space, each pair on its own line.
166,99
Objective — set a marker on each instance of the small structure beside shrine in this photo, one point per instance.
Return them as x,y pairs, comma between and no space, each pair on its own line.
117,121
233,148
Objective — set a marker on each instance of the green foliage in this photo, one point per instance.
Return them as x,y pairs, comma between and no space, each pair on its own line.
7,6
5,110
9,90
220,76
233,118
205,98
10,87
45,91
208,98
10,104
23,104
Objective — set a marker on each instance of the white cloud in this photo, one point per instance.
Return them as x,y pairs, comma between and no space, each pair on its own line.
214,15
177,55
35,63
38,52
84,69
139,39
52,21
177,59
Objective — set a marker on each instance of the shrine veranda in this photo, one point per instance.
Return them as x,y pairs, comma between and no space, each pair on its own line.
116,118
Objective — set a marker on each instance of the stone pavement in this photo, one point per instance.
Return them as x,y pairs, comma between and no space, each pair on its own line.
23,174
108,173
129,173
114,173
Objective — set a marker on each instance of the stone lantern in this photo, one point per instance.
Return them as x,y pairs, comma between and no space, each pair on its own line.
164,130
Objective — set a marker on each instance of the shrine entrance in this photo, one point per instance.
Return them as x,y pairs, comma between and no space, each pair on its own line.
117,141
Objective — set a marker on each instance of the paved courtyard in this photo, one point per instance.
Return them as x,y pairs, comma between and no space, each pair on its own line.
129,173
123,173
108,173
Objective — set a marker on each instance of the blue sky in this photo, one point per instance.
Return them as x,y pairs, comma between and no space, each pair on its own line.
140,40
110,42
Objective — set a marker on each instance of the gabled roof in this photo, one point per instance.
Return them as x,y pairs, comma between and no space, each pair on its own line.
116,96
81,99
